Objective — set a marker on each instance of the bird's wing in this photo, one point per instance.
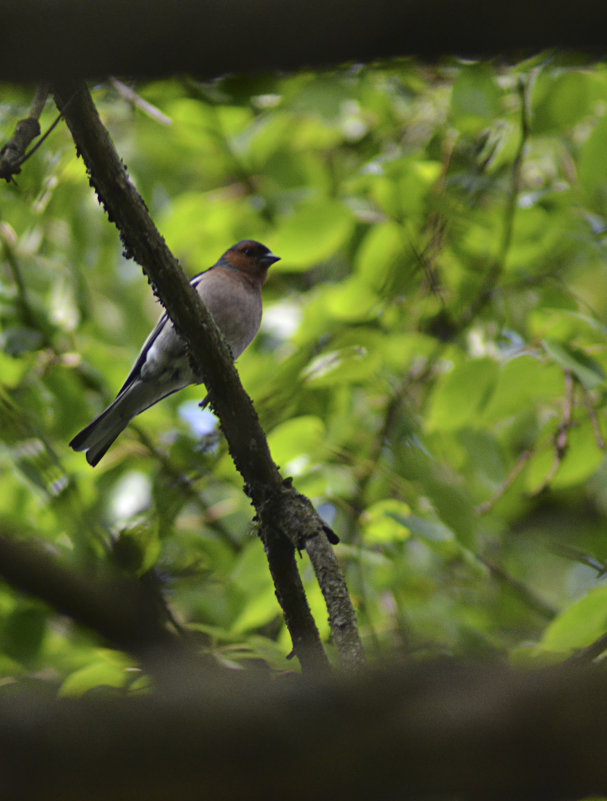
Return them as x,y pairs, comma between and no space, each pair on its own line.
136,368
151,338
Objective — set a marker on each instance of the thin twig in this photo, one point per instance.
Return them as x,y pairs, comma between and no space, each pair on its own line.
12,154
187,488
559,442
598,436
495,271
530,598
147,108
437,225
521,461
40,141
560,439
583,558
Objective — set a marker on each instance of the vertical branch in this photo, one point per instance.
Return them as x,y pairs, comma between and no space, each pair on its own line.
342,619
560,440
292,599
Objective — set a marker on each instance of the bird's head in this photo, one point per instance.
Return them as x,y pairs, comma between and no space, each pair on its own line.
250,257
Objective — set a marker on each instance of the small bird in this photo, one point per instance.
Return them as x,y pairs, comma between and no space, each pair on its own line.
231,291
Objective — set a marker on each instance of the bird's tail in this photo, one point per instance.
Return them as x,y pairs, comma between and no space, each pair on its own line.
97,437
132,399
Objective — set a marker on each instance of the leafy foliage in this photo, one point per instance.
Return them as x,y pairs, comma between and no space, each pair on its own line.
430,370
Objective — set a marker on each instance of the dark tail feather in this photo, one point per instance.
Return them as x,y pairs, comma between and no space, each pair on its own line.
97,437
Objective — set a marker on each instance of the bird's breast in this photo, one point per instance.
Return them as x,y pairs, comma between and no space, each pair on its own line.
235,304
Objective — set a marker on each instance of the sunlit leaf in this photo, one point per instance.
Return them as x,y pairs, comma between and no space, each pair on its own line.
579,624
382,256
110,669
462,395
561,101
251,577
295,437
312,233
352,300
347,365
385,521
582,457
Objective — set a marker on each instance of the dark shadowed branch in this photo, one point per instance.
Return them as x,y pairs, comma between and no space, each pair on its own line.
125,612
426,732
68,37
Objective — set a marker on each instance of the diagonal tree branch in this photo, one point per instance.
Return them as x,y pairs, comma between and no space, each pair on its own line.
287,519
125,612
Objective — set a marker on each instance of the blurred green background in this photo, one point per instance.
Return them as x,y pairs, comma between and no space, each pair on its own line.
430,368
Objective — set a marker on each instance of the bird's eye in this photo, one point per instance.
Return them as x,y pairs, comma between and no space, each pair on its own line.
248,252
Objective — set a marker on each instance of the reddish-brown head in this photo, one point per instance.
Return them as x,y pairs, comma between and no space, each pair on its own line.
249,257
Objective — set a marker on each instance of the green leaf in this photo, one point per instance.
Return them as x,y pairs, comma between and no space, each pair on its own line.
110,669
199,229
431,530
23,633
455,510
349,365
461,395
12,370
485,457
137,548
250,571
259,610
582,366
522,381
312,233
562,101
352,300
582,458
593,167
382,256
301,436
451,502
251,577
476,97
579,624
401,187
385,521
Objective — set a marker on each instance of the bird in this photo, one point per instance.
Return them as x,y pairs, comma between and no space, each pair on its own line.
231,291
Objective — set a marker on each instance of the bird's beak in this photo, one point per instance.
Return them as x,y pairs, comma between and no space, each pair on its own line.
269,259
